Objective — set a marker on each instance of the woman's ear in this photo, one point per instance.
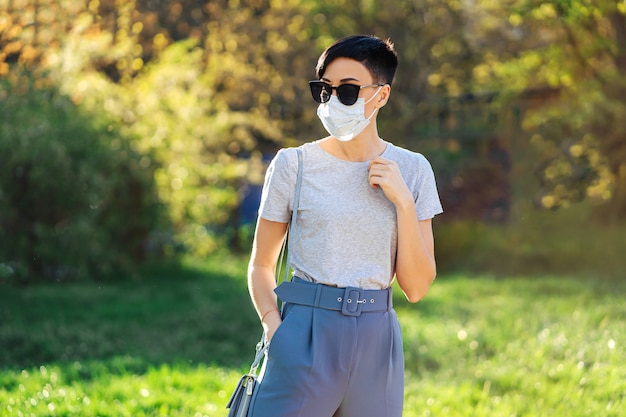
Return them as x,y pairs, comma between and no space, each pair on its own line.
383,96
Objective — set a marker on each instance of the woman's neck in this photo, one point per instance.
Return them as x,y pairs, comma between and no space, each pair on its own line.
359,149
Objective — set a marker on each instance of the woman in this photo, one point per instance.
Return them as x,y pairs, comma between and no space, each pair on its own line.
365,216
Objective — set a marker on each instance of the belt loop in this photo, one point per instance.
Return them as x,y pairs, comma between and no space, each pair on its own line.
318,295
390,300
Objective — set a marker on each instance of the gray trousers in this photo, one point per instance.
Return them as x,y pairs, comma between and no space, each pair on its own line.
323,363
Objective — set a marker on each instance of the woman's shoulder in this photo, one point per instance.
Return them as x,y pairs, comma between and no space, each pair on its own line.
289,156
286,159
406,156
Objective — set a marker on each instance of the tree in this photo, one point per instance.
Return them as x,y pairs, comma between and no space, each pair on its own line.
579,49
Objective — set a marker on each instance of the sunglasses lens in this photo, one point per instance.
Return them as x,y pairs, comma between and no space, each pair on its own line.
320,91
348,93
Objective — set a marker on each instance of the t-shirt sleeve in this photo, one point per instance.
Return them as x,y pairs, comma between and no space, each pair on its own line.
427,203
278,187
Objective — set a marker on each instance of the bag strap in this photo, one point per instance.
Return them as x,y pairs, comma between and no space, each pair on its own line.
292,225
261,347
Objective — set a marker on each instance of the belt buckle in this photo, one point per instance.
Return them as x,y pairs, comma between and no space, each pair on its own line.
353,300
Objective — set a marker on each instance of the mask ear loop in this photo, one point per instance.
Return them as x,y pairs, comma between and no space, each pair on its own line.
373,113
372,98
375,94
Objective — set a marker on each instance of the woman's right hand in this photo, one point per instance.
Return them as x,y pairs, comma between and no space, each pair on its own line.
271,322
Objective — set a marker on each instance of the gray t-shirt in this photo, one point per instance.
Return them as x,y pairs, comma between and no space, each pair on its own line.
346,232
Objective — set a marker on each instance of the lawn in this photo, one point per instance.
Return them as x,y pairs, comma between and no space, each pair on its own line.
173,341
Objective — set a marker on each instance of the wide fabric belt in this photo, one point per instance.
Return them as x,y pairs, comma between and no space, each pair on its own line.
351,301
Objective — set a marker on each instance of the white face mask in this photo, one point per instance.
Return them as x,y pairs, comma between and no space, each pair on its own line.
345,122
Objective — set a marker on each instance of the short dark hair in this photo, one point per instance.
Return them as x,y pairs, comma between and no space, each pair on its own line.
377,55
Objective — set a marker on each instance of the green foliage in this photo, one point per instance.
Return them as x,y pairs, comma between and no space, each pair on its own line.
74,201
175,342
181,117
576,49
204,90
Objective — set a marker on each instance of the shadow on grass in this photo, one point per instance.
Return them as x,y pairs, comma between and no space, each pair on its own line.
170,314
190,314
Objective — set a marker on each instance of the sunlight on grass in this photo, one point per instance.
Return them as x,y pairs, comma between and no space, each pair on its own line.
175,342
485,347
96,389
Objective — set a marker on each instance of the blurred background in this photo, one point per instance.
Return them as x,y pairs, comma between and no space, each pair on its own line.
139,131
134,138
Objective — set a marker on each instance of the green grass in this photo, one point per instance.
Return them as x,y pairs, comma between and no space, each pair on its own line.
517,347
174,342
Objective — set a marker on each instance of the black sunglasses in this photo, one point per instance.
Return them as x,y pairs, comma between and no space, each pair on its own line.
346,93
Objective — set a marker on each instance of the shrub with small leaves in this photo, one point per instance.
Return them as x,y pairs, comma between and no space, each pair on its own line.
74,199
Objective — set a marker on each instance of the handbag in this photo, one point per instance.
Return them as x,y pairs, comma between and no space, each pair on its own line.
243,396
240,400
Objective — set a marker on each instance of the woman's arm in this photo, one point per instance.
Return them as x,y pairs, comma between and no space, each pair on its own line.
415,261
268,240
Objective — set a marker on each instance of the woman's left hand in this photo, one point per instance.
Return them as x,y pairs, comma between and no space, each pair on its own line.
386,174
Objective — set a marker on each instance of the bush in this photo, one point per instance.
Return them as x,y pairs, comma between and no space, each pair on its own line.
74,198
534,243
202,154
